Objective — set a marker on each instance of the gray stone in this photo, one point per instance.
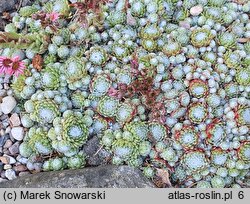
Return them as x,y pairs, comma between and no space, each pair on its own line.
11,159
8,144
7,166
2,93
6,86
17,133
2,140
24,173
10,174
7,5
8,129
3,174
21,159
5,160
2,132
11,6
14,149
93,177
20,168
96,155
15,120
196,10
8,104
3,180
38,166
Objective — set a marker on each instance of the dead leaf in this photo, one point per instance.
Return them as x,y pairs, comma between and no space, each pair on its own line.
243,40
164,175
37,62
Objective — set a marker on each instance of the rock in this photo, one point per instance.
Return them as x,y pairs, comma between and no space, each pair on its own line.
5,123
4,117
196,10
11,159
7,5
8,144
95,155
101,158
5,160
27,2
21,159
2,93
20,168
2,132
15,120
23,173
94,177
30,165
10,174
8,129
14,149
38,166
5,151
2,140
6,82
3,174
1,166
3,180
8,104
6,86
10,5
18,133
7,166
185,24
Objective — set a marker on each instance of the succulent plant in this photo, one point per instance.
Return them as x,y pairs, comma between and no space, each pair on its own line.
71,129
100,85
198,88
76,161
187,137
195,161
97,55
201,37
215,132
54,164
50,78
124,113
45,111
107,106
27,11
74,69
197,113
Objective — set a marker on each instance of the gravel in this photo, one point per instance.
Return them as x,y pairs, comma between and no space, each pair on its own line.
8,104
17,133
15,120
11,135
14,149
10,174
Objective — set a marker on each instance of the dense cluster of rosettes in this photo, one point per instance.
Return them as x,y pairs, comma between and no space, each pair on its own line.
164,84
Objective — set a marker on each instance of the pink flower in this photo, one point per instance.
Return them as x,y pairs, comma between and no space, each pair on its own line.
17,67
5,64
54,16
